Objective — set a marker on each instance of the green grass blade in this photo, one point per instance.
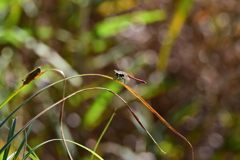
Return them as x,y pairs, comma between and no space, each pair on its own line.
105,129
23,141
12,155
10,134
95,154
10,97
175,27
114,25
31,156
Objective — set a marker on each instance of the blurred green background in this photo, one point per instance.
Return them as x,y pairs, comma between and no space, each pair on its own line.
187,51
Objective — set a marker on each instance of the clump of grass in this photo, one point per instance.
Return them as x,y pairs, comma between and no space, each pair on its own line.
35,74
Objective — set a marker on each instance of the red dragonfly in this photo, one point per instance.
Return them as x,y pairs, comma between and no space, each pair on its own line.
126,77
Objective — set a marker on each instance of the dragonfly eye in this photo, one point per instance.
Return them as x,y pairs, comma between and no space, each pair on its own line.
121,75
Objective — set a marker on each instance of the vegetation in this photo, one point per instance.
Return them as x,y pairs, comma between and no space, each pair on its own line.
187,52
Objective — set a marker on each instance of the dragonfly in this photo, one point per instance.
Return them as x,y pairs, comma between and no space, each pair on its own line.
126,77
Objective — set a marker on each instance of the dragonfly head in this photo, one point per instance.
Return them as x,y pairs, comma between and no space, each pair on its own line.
122,75
119,74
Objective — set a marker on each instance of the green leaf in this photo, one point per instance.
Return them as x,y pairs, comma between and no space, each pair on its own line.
178,20
10,135
114,25
147,17
14,15
23,142
95,154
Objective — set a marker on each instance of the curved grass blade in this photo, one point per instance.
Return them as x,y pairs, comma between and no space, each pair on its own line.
159,117
61,111
95,154
139,122
10,135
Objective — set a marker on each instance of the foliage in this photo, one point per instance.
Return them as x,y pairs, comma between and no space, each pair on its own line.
187,52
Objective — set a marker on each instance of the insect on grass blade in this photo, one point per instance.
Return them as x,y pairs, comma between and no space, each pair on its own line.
32,75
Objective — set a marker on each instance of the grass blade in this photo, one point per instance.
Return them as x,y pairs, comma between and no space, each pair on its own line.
10,97
105,129
175,27
139,122
61,113
10,135
23,141
159,117
95,154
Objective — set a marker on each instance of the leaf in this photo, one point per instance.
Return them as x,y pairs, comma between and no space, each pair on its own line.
175,27
147,17
10,135
113,25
